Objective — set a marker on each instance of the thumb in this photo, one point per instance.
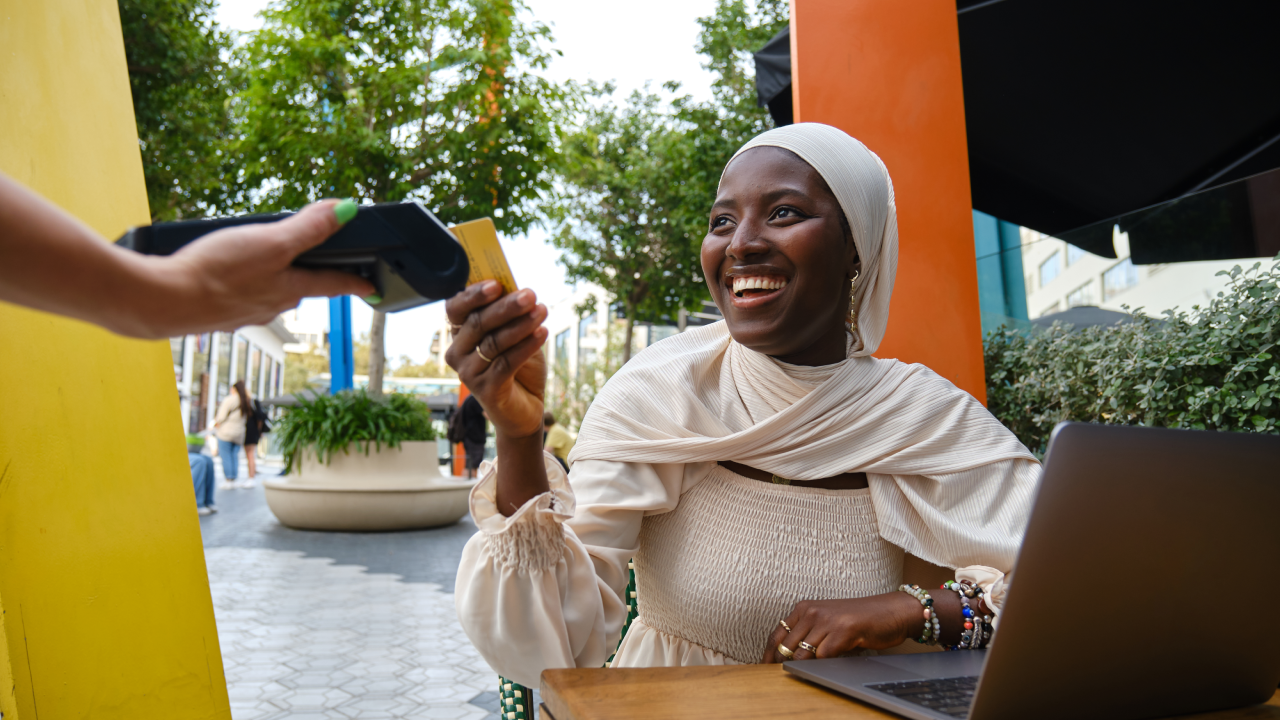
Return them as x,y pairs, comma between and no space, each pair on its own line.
314,224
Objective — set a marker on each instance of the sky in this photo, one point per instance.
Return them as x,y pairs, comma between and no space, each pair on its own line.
628,42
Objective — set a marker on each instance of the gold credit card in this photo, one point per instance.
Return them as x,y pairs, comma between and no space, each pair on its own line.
479,238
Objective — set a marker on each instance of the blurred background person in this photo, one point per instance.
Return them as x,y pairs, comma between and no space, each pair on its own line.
475,431
229,425
255,426
202,478
555,439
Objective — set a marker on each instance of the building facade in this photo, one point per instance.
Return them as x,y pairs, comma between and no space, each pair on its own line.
1060,276
206,366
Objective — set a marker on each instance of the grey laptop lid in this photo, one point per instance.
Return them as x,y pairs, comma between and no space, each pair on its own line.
1143,587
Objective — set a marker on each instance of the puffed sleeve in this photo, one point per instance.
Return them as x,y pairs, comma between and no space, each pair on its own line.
972,520
544,587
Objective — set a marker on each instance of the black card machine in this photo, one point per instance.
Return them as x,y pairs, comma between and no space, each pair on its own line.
405,251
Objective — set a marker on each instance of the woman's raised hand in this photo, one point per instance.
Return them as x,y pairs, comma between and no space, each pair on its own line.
497,353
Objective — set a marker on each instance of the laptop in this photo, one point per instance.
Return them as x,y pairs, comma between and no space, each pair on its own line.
1145,587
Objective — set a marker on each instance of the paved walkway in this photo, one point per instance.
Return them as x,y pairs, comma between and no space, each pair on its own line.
339,625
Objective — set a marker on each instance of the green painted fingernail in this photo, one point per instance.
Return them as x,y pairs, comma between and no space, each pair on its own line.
345,210
373,299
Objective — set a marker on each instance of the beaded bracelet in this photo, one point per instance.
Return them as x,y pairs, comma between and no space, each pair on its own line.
977,631
932,628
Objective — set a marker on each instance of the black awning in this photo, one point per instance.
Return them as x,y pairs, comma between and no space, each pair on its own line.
773,77
1081,111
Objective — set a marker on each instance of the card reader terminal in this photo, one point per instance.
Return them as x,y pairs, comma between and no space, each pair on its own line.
405,251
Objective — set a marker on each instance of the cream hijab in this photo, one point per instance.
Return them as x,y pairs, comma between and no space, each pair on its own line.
950,484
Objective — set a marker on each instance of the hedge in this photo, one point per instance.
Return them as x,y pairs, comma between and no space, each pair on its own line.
1211,368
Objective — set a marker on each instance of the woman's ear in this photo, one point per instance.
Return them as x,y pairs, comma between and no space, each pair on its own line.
855,266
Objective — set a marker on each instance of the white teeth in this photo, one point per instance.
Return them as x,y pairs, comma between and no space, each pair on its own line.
758,282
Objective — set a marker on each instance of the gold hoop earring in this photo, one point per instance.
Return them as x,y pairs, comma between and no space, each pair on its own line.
853,299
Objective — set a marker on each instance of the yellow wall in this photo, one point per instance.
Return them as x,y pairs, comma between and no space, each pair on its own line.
103,587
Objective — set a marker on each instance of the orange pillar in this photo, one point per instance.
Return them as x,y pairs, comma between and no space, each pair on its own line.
888,73
459,452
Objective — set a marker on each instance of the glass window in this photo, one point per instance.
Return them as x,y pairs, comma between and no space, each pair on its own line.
224,366
1074,253
586,357
1050,268
584,325
1082,295
1122,276
242,359
562,348
200,400
252,381
176,346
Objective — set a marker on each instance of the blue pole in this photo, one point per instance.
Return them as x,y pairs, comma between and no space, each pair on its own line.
341,358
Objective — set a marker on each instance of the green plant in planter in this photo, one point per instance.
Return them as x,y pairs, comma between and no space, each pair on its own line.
332,423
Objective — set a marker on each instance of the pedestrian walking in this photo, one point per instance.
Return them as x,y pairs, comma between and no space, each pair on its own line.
256,426
229,427
475,431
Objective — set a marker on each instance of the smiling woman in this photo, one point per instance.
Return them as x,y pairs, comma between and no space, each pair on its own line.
766,473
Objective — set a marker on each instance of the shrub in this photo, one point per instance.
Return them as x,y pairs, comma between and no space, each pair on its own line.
330,423
1213,368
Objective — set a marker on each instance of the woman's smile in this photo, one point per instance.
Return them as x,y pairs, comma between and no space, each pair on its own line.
753,287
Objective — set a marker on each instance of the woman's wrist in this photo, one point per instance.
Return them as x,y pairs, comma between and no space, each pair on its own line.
521,472
146,290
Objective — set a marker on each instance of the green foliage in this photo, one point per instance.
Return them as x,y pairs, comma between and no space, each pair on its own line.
729,37
612,220
299,368
429,369
181,88
640,178
332,423
1214,368
385,100
195,440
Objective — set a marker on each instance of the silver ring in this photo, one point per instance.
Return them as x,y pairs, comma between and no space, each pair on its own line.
482,356
786,652
806,646
784,624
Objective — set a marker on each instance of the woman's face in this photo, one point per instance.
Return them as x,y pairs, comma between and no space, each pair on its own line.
777,259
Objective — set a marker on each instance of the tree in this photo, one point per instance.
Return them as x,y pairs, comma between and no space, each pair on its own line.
181,87
299,368
384,100
713,131
641,178
614,216
429,369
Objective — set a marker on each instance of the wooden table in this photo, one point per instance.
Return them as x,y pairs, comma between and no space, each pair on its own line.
739,691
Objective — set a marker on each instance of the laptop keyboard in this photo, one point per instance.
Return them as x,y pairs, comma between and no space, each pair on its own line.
949,696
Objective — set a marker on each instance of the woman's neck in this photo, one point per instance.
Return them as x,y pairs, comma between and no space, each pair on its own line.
832,347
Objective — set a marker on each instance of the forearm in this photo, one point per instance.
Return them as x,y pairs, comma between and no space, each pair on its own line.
521,473
51,261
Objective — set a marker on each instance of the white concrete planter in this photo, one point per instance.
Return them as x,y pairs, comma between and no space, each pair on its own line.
384,490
